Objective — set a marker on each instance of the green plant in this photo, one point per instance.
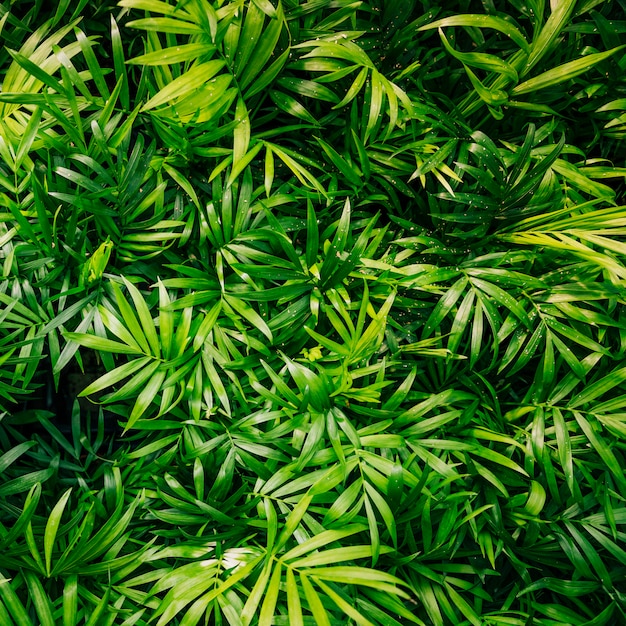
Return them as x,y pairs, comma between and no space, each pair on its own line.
312,312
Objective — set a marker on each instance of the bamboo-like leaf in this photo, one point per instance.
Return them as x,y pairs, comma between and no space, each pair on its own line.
500,459
99,610
26,515
172,55
384,510
266,614
355,88
493,97
345,607
52,527
135,383
267,77
551,30
13,603
166,25
10,456
603,450
184,85
599,388
119,64
444,306
183,182
206,326
130,331
257,593
482,61
241,134
43,605
116,375
463,606
321,540
155,6
264,48
294,605
563,72
503,298
293,520
315,603
100,343
146,398
217,384
356,575
243,162
70,600
26,141
249,314
481,21
145,319
566,587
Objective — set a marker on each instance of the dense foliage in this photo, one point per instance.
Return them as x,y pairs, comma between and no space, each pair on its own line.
312,312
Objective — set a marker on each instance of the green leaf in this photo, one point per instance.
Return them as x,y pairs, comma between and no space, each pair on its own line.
493,97
145,319
482,61
249,314
315,603
146,397
598,388
266,78
264,48
356,576
603,449
496,457
444,306
96,616
241,134
323,539
184,85
503,298
100,343
293,521
567,588
10,456
41,601
28,137
52,527
346,607
25,517
25,482
119,64
563,72
294,605
552,29
70,600
481,21
564,447
166,25
266,615
116,375
217,384
13,603
172,55
257,593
